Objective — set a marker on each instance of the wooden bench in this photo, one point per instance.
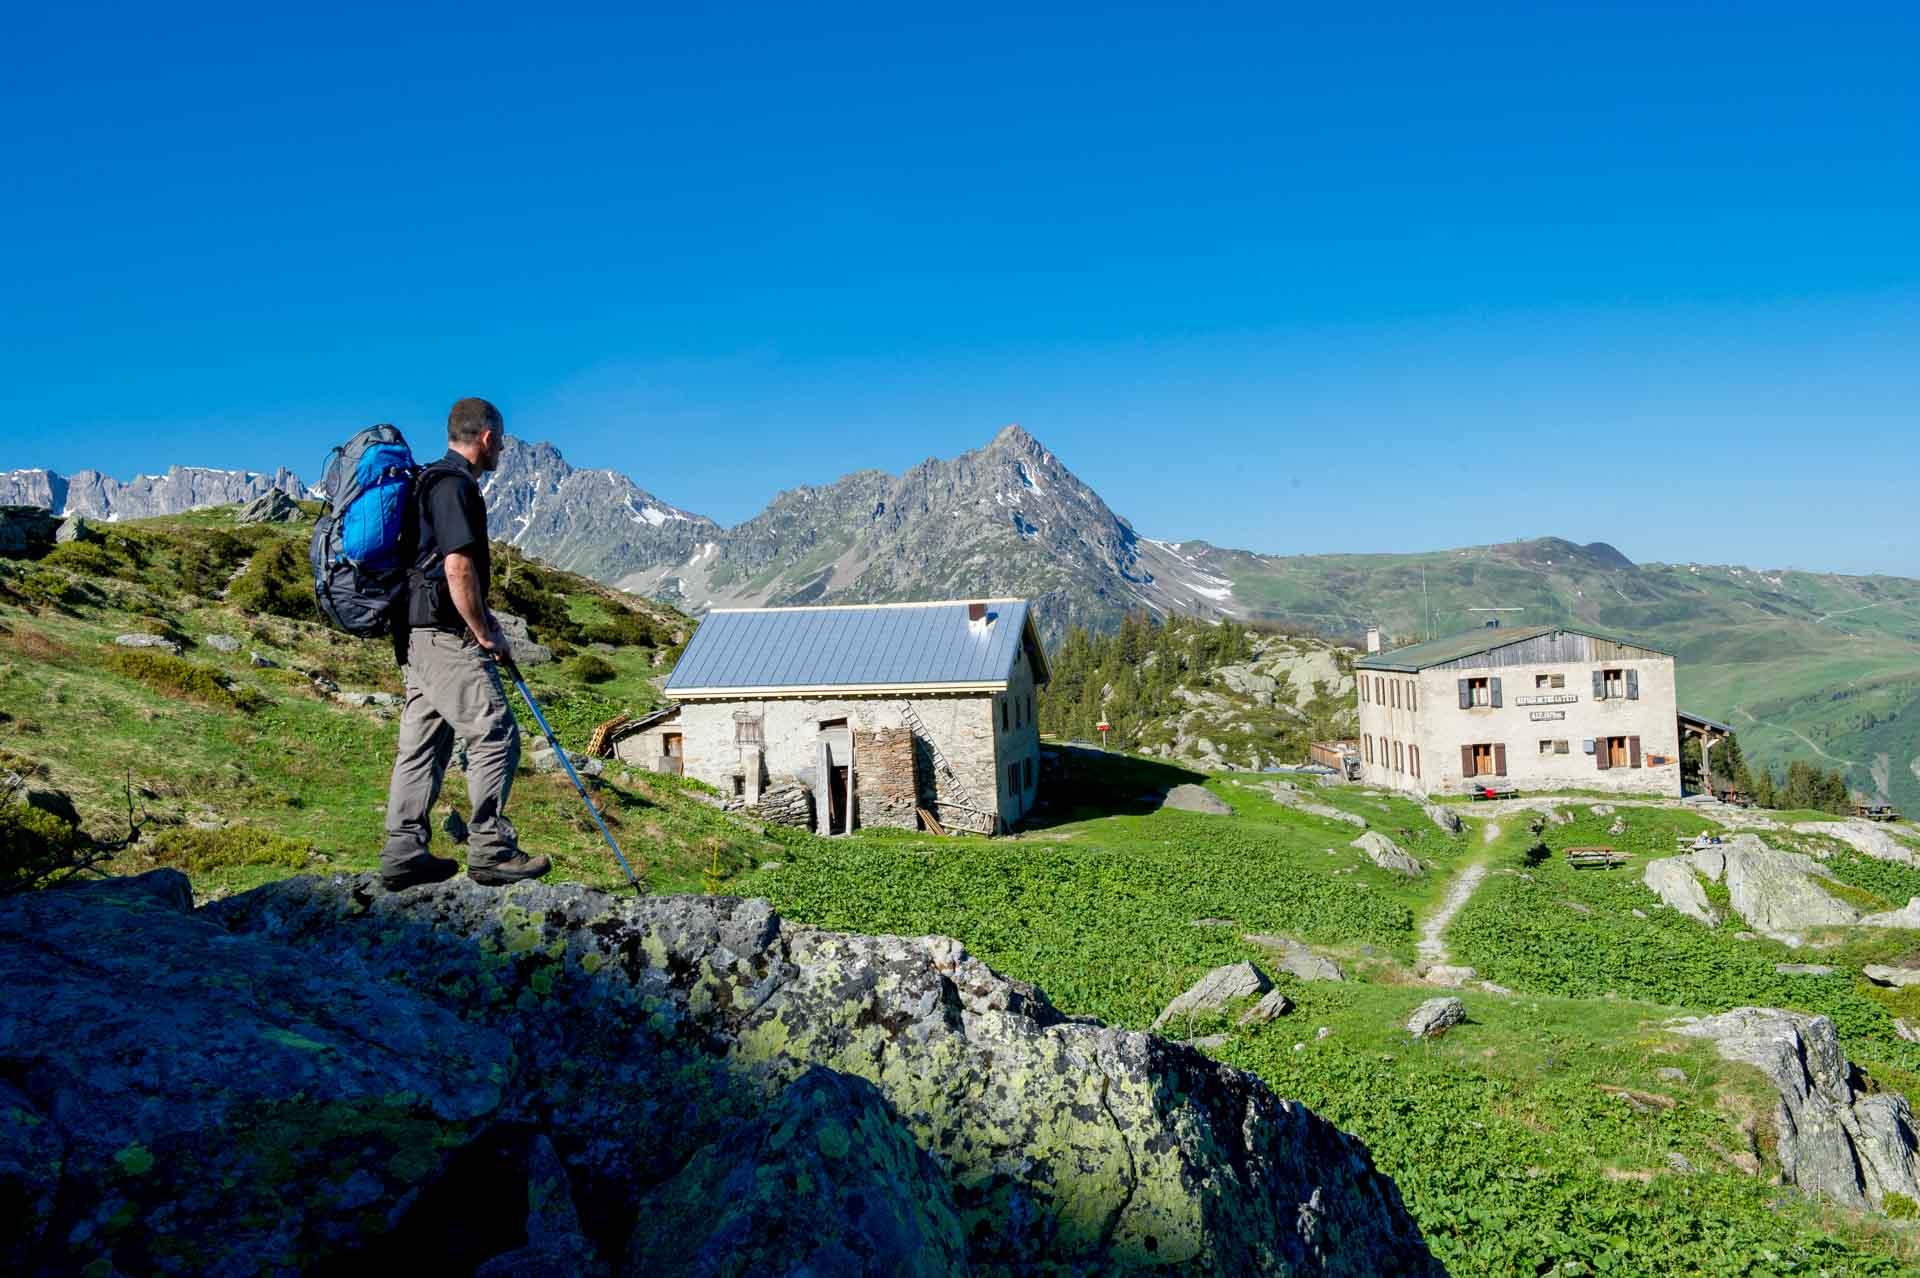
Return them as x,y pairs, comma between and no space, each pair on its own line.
1875,812
1581,858
1481,793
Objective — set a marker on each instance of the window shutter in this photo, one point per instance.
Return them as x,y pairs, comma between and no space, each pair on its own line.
1413,759
1633,689
1413,695
1363,689
1367,740
1499,759
1599,686
1493,689
1600,752
1466,759
1633,751
1466,699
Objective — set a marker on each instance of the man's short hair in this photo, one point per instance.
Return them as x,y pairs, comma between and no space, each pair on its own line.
471,418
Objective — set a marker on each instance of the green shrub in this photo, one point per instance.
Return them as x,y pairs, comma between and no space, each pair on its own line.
623,630
278,582
198,851
90,558
177,677
36,847
588,668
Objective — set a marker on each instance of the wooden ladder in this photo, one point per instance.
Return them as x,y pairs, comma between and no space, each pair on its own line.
911,718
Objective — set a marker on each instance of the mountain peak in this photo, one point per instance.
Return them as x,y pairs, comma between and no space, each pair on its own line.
1016,437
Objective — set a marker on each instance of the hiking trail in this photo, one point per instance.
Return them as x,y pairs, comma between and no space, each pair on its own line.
1432,948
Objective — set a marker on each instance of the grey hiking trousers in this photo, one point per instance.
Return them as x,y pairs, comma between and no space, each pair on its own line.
453,688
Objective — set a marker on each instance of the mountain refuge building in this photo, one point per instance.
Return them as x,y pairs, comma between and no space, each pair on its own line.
857,715
1536,707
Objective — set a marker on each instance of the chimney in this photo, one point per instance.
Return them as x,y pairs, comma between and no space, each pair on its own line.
1373,638
976,613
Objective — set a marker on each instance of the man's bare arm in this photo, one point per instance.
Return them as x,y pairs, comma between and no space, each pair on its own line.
463,585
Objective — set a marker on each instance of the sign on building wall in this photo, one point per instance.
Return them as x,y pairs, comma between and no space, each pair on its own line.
1551,699
1541,716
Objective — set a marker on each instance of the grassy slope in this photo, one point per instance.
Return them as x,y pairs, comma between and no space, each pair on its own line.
302,766
1795,661
1506,1147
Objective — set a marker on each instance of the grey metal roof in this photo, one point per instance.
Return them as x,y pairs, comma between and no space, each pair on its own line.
876,646
1434,652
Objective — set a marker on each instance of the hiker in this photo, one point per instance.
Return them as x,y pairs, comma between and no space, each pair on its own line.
450,645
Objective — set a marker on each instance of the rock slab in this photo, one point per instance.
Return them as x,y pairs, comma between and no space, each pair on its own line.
1193,798
1214,991
1386,854
1435,1017
1295,959
320,1067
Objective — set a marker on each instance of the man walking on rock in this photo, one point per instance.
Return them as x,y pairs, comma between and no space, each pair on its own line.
451,646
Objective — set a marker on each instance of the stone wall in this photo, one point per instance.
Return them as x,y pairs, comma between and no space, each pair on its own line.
887,787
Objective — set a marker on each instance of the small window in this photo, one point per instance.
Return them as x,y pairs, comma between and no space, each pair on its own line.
1546,747
1543,681
833,725
1004,715
1363,689
1560,747
1480,692
1413,698
1559,681
1399,758
1615,682
739,786
1380,689
1368,742
747,732
1393,693
1013,778
1413,759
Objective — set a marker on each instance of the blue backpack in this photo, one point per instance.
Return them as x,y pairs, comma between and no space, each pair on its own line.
362,548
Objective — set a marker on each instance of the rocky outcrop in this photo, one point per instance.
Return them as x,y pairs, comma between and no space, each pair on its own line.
1777,893
1292,796
1194,798
1444,817
1385,853
1896,977
271,507
525,650
1834,1140
1295,959
182,488
1869,837
320,1072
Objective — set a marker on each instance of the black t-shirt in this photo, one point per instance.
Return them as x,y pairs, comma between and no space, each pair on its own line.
453,517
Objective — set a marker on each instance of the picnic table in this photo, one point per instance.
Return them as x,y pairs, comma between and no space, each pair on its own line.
1593,856
1876,811
1480,793
1734,799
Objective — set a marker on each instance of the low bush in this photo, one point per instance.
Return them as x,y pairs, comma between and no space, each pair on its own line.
199,851
178,677
278,582
36,847
588,668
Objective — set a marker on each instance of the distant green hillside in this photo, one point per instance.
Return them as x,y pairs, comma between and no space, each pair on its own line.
1814,666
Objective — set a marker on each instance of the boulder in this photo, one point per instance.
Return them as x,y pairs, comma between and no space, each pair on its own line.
1603,809
1449,976
1907,916
525,651
1775,892
27,531
1677,885
1272,1005
1214,991
57,804
1896,977
1806,969
1385,853
270,507
1444,817
1193,798
1436,1016
1248,682
222,643
321,1073
76,528
259,662
1833,1141
148,641
1295,959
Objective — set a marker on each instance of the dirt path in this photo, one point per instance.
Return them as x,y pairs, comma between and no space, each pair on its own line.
1432,948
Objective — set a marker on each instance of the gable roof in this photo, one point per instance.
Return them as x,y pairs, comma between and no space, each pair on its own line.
1438,652
867,648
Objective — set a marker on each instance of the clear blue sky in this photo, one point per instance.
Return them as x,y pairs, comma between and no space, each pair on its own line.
1424,276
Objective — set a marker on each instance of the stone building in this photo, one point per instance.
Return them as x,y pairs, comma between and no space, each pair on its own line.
1537,707
857,715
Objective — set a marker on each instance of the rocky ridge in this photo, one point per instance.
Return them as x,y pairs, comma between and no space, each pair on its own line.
319,1069
182,488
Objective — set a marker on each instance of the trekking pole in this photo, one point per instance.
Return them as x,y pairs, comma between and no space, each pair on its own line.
513,668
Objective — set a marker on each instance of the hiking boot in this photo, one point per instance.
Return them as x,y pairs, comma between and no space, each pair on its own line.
422,869
514,869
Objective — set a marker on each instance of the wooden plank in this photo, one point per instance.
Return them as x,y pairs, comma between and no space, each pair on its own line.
931,822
